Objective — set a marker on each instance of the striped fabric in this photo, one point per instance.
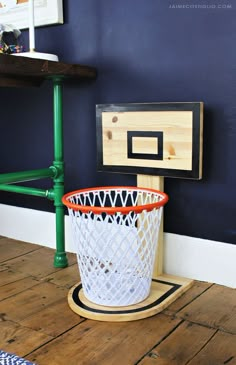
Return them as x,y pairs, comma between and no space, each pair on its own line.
11,359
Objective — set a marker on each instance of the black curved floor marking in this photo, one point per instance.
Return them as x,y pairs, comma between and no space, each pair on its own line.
77,301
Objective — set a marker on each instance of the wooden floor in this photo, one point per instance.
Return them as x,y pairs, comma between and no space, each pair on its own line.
36,322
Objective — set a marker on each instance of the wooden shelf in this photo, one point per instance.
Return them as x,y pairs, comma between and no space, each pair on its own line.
24,71
18,71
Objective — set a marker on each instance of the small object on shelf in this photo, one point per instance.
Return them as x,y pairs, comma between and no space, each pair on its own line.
32,53
10,39
18,50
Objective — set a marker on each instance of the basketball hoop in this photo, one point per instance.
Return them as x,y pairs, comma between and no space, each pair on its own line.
115,231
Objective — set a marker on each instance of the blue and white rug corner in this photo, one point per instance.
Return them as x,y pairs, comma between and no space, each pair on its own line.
11,359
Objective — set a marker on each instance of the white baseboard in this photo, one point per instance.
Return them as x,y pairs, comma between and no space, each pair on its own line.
184,256
32,226
200,259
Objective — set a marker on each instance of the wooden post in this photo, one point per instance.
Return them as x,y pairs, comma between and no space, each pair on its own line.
155,182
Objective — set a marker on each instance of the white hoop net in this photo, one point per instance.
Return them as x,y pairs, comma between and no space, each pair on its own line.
115,252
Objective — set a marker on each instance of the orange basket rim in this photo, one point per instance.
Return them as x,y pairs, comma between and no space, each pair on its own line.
113,210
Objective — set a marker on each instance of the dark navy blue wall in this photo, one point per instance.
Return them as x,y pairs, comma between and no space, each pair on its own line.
145,51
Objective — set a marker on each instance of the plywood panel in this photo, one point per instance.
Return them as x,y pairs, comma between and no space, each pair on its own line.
155,182
177,128
164,290
163,139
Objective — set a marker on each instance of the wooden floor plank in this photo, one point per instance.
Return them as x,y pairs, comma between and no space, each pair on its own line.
230,324
197,289
31,301
2,268
54,319
197,329
16,287
156,360
66,277
37,263
220,350
105,343
20,340
8,276
214,308
182,344
10,249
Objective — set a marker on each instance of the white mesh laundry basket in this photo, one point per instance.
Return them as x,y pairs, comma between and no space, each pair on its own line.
115,231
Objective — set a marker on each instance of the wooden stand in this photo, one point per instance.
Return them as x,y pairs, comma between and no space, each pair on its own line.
164,290
151,140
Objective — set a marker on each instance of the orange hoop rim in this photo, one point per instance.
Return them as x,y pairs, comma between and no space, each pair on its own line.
113,210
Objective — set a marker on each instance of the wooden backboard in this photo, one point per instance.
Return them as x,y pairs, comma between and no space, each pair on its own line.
163,139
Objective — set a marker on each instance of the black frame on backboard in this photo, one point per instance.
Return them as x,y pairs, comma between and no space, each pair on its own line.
197,131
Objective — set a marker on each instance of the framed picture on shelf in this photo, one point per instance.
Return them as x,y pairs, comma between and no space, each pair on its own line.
46,12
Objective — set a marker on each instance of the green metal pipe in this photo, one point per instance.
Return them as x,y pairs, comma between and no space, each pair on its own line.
56,172
58,120
60,258
16,177
27,191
